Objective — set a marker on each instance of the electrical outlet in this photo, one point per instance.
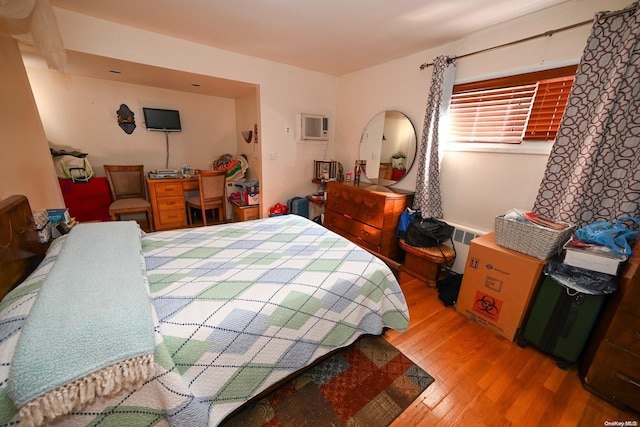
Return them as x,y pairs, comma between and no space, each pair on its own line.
287,130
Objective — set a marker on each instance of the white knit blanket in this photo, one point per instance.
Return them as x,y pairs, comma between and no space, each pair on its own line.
90,332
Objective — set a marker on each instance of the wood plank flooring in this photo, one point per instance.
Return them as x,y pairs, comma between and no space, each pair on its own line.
483,379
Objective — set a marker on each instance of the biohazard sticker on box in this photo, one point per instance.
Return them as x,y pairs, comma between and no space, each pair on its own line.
497,286
487,306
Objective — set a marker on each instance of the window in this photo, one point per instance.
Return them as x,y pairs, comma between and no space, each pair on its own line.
510,109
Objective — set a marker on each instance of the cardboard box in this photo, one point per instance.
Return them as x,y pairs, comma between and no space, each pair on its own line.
251,199
249,192
497,286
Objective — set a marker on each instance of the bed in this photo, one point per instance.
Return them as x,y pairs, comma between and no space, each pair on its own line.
220,314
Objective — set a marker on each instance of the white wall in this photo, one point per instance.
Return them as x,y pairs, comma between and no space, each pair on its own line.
286,166
80,113
476,186
25,164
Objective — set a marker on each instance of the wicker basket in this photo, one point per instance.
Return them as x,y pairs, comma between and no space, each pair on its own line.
531,239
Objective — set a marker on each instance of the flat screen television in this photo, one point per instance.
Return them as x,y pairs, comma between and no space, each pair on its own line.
162,120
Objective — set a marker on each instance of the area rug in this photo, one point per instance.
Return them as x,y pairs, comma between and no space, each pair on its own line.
368,384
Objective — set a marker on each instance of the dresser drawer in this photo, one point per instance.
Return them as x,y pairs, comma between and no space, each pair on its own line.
625,332
168,189
192,185
363,206
170,203
177,217
358,230
616,373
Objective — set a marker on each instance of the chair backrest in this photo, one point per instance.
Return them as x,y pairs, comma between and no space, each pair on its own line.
212,185
125,181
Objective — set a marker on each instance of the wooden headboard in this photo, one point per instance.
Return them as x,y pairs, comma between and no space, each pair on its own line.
20,247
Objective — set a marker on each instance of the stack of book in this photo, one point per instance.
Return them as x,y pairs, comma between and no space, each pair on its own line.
592,257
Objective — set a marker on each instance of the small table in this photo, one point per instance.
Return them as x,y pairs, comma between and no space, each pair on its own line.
424,263
242,212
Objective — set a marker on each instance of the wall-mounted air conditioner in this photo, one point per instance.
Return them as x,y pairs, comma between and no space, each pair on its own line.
313,127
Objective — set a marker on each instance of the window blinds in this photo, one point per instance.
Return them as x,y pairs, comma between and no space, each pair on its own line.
548,108
493,115
510,109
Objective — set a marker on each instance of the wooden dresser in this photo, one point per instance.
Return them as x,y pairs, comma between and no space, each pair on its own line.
610,366
167,197
367,215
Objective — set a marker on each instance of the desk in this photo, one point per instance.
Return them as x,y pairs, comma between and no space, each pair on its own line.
167,198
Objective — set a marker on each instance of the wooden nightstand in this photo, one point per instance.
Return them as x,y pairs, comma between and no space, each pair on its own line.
245,212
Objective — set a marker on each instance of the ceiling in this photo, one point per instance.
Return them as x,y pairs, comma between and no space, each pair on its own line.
334,37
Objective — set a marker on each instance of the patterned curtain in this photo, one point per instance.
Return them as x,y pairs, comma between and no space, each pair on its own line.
593,172
427,198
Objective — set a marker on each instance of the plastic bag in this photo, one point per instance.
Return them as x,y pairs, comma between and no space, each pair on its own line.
616,236
405,219
580,279
278,209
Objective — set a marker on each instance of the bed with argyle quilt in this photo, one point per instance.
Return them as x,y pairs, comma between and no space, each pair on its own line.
235,308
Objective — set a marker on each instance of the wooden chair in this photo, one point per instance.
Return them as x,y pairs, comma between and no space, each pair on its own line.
127,190
212,195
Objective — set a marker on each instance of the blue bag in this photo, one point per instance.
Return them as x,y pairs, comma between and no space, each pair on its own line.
405,219
615,236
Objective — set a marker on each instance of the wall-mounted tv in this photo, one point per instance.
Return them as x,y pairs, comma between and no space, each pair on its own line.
162,120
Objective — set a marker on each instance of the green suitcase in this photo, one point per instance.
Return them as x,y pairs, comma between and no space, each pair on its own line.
560,321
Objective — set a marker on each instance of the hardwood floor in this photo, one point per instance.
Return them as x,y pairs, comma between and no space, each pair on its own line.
482,379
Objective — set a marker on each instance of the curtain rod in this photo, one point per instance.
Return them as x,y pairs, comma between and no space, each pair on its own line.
549,33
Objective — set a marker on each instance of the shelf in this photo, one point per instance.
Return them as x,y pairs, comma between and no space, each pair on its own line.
316,202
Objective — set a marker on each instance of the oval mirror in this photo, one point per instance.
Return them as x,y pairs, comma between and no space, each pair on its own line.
388,145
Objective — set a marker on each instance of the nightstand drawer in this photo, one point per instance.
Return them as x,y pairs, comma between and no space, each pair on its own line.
625,332
170,203
173,217
630,302
616,374
168,189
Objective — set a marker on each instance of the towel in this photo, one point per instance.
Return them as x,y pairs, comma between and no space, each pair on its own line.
90,332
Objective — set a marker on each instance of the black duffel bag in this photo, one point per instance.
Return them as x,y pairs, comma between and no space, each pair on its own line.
427,232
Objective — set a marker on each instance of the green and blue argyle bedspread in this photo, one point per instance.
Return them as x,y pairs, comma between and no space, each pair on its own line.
237,307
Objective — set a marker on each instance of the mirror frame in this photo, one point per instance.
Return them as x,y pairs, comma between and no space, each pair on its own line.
376,146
